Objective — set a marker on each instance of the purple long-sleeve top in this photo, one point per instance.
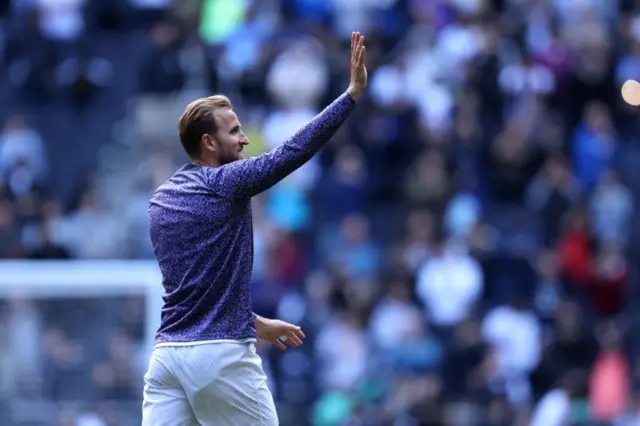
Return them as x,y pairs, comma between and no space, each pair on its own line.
202,234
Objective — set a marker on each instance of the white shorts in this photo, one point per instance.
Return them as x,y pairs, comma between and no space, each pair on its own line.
219,384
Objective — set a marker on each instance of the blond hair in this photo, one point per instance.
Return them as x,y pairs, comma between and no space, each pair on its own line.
198,120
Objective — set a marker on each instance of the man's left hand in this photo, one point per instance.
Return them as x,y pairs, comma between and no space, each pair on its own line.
279,332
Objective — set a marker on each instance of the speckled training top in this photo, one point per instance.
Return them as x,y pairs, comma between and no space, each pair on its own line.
202,234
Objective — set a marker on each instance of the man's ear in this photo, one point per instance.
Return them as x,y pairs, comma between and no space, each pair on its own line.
208,143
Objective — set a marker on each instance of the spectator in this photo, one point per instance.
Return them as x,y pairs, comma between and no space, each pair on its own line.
303,57
611,210
594,144
342,353
462,214
22,150
511,164
84,232
515,333
394,317
550,289
463,362
342,190
426,184
554,409
449,285
573,346
287,259
552,193
320,286
607,288
63,368
419,352
609,383
575,250
352,250
161,71
418,244
61,21
115,376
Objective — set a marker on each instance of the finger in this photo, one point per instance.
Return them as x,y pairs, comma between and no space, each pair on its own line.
356,40
359,50
363,50
297,331
280,345
293,340
353,44
358,57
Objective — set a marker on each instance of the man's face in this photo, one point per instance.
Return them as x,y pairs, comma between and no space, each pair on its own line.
230,139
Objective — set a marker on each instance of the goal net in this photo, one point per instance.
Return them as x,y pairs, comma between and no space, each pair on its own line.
75,337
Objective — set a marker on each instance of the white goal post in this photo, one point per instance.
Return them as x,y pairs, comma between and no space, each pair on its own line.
52,279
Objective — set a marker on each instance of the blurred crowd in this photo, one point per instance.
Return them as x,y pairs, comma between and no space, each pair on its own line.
462,253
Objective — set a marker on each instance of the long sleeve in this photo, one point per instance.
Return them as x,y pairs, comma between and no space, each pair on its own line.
246,178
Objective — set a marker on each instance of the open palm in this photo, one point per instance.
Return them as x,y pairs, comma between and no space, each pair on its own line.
358,68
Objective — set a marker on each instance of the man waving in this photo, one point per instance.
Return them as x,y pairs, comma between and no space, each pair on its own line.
204,369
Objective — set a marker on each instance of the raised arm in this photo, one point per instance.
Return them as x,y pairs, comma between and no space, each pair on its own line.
246,178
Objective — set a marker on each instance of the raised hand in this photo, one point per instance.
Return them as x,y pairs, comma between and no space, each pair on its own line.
358,69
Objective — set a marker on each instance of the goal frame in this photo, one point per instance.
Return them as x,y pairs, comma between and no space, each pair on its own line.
50,279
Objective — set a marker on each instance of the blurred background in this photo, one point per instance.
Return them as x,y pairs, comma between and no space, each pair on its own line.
464,252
